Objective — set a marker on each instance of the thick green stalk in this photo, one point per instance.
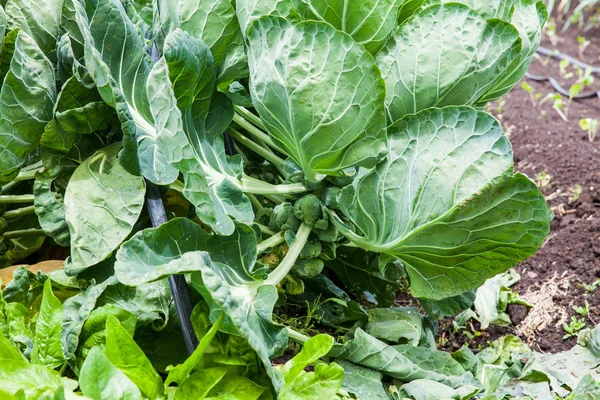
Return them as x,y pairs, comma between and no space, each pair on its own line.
265,153
290,258
297,336
271,242
18,213
24,233
264,229
249,116
254,131
16,198
255,186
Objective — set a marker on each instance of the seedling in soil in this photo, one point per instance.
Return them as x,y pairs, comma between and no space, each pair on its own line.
575,193
591,126
557,104
573,327
551,32
583,310
562,67
583,44
542,179
591,288
533,96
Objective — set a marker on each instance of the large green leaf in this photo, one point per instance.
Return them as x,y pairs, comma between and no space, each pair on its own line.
215,23
101,380
154,253
318,93
40,19
102,202
325,381
445,55
363,382
367,351
447,204
76,311
124,353
195,146
49,206
126,79
250,10
528,17
368,22
47,349
26,100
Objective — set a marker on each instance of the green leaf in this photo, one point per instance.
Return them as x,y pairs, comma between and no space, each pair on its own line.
325,381
528,18
93,332
9,354
127,81
425,389
358,270
449,207
154,253
199,384
180,373
49,205
448,307
445,55
368,22
396,325
77,310
215,23
250,10
101,380
47,349
123,352
363,382
40,19
26,100
102,202
322,106
236,387
369,352
196,146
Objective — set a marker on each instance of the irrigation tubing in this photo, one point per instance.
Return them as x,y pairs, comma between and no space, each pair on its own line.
555,84
179,287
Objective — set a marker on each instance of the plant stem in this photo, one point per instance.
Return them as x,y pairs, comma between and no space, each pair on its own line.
19,212
250,116
177,186
271,242
290,258
297,336
264,229
254,131
254,201
16,198
24,233
255,186
265,153
6,188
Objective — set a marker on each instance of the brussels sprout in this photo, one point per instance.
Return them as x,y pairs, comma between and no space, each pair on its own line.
308,268
283,218
312,249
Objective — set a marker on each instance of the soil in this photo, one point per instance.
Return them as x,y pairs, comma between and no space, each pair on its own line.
544,143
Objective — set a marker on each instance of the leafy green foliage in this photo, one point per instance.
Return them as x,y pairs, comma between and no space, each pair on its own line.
360,159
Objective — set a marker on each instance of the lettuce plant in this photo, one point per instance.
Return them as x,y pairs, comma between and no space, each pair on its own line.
294,142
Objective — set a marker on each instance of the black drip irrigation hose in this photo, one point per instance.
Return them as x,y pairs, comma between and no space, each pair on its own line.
557,86
179,287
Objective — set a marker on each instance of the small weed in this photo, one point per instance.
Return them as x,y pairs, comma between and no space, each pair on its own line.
591,126
573,327
591,288
583,43
583,310
575,193
542,179
557,104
